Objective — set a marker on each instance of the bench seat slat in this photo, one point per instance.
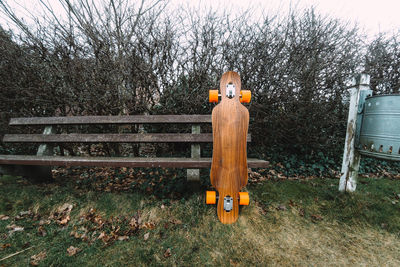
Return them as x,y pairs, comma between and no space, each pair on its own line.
128,119
118,161
110,138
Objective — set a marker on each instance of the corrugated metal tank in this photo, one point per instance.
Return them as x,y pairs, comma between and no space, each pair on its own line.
380,128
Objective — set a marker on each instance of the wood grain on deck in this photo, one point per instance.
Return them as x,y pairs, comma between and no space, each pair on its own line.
230,120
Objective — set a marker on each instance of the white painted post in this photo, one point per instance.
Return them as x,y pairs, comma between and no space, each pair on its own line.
351,157
193,175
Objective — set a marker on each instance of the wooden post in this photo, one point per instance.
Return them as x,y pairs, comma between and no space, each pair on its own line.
193,175
351,158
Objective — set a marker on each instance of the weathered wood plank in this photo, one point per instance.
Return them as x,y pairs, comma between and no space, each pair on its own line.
118,161
110,138
132,119
351,157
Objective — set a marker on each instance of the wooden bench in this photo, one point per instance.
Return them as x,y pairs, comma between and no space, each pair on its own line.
49,139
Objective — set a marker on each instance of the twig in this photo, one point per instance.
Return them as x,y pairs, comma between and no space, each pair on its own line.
16,253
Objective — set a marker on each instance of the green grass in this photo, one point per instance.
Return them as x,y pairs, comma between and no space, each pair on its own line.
289,222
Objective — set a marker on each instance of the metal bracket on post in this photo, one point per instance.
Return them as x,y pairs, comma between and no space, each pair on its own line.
351,157
193,175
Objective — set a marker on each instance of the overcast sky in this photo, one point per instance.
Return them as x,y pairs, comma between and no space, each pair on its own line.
373,16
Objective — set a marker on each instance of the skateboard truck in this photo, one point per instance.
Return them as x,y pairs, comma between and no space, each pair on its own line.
230,90
228,203
211,198
244,96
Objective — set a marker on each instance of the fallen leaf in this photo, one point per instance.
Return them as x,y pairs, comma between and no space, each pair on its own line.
134,223
66,207
4,246
167,253
123,237
101,235
4,217
35,259
148,225
42,231
61,215
72,250
14,228
146,236
25,213
64,220
43,222
75,234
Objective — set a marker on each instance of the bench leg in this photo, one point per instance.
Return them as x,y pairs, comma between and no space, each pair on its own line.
34,173
43,173
193,175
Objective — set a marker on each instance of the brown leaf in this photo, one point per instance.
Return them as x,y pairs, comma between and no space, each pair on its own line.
134,223
64,220
167,253
101,235
75,234
72,250
148,225
43,222
146,236
104,237
4,246
35,259
4,217
42,231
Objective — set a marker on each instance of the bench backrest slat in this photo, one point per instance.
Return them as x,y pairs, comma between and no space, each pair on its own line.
110,138
132,119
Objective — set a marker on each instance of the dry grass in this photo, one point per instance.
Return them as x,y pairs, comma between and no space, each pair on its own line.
264,234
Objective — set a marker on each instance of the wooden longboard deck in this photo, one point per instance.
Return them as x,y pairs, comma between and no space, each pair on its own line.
230,121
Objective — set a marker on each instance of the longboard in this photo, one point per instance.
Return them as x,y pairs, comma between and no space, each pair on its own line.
230,122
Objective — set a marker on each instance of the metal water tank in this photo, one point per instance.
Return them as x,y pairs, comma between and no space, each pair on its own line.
380,127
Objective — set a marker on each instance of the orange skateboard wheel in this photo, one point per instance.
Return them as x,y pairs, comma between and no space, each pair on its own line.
211,197
244,198
245,96
213,96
